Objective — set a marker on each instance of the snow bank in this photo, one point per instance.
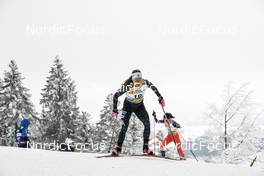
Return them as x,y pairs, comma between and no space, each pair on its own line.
29,162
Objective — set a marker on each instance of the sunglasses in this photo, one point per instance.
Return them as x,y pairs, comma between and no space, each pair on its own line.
136,75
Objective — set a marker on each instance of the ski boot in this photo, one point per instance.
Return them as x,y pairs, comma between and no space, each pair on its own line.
147,150
163,153
116,151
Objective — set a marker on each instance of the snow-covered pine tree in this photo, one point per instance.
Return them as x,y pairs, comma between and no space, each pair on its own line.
15,104
59,105
84,128
159,136
156,139
107,128
2,129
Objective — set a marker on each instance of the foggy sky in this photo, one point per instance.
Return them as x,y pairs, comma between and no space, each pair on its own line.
189,49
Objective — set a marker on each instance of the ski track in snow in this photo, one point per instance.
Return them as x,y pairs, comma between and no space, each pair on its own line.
29,162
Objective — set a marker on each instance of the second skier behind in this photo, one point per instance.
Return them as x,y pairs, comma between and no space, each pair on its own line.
173,134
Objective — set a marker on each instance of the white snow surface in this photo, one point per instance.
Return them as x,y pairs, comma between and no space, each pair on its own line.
32,162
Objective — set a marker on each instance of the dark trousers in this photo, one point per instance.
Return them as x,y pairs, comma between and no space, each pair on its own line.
141,113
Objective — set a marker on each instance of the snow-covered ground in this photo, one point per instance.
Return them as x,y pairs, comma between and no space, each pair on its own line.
29,162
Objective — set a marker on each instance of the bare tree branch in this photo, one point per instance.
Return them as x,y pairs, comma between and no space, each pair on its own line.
235,94
211,117
240,105
254,121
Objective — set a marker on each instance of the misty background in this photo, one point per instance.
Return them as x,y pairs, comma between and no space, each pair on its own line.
190,50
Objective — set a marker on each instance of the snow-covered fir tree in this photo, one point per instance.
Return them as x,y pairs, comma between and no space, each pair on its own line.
107,128
59,105
2,129
156,139
84,131
15,105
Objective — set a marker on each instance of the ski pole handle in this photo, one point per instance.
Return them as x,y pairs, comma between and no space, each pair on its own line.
154,114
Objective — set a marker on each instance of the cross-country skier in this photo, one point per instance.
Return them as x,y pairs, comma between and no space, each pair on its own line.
134,87
23,133
173,134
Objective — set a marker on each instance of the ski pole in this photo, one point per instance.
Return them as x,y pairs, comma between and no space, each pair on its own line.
154,134
113,131
190,148
252,163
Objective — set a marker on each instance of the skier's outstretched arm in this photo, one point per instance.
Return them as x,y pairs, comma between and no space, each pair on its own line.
118,93
156,91
175,124
154,88
155,118
160,121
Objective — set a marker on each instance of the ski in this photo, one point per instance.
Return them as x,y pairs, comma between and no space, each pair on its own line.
108,156
157,156
141,155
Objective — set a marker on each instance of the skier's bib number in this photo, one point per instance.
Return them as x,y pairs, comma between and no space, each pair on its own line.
138,98
135,97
